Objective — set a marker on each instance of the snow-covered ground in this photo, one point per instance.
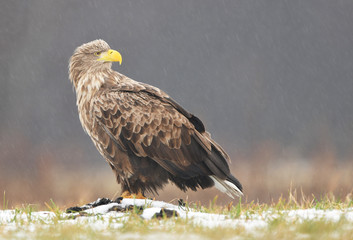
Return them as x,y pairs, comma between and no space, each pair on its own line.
111,216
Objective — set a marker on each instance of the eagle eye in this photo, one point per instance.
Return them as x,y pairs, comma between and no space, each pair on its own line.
97,53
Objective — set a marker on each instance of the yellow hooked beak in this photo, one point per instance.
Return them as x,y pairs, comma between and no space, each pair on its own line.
110,56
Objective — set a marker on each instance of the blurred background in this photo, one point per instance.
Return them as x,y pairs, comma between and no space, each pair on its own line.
272,81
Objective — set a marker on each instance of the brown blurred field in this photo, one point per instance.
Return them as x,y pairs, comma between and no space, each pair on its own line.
33,175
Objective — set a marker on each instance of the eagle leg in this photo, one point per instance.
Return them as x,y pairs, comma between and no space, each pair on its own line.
127,194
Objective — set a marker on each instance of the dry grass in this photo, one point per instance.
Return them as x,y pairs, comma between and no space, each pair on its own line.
278,223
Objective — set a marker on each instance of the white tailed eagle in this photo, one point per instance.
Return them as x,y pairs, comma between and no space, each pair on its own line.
146,137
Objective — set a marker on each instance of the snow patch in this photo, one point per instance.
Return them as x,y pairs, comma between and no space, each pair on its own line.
114,215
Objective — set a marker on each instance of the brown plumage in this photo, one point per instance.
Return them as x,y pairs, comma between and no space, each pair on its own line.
146,137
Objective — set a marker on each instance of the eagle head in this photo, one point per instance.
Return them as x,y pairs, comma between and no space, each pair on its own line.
91,58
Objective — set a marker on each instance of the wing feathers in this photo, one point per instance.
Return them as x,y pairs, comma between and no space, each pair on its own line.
153,126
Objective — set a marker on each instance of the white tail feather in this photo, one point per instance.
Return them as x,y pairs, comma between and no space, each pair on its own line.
226,187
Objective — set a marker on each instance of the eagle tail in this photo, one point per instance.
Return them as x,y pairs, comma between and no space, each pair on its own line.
231,187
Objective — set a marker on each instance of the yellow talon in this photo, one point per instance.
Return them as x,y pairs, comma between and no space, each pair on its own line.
127,194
